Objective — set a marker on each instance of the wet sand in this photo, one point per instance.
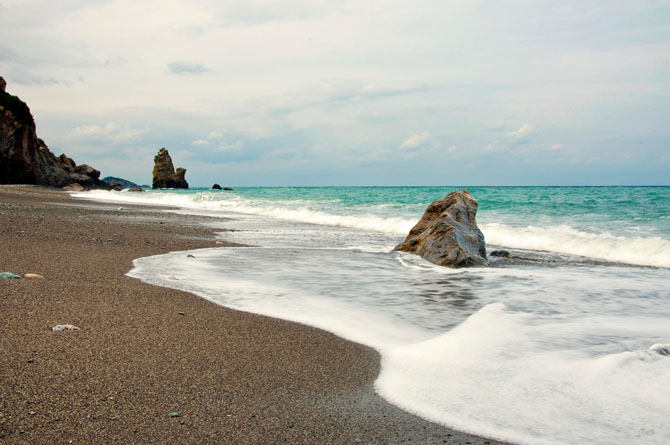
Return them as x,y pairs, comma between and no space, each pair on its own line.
156,365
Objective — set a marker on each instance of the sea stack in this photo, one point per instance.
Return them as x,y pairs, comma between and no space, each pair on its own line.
164,174
447,233
26,159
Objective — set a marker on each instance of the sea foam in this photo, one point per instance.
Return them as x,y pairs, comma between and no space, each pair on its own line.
529,356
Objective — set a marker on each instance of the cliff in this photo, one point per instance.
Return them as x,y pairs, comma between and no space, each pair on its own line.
26,159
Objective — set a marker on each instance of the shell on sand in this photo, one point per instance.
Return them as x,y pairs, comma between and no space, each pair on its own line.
33,275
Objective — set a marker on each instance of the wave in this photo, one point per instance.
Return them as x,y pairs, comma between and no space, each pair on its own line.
638,250
294,210
564,239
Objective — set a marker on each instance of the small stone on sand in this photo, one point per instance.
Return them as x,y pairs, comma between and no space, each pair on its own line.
64,327
34,276
9,276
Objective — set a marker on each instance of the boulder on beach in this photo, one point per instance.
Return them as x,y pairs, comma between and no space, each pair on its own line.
164,174
74,187
26,159
447,234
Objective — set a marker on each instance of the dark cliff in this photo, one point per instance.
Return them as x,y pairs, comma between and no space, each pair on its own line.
26,159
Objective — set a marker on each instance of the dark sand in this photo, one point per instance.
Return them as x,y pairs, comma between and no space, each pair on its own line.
232,377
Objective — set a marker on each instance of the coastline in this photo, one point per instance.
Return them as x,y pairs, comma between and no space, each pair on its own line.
144,352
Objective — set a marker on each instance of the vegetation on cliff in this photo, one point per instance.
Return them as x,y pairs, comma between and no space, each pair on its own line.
18,108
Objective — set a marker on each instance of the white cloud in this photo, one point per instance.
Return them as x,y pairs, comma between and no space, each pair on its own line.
556,147
451,149
186,68
497,125
230,147
522,134
214,135
200,142
416,141
110,132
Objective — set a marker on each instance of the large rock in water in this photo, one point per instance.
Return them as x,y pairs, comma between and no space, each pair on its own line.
26,159
447,234
164,173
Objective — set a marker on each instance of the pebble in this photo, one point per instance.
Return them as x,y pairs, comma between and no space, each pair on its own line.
34,276
9,276
175,414
64,327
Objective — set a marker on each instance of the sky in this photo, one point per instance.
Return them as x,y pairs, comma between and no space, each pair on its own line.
372,92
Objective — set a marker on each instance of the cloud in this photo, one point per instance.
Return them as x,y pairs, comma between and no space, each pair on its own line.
230,147
109,132
415,142
200,142
497,125
187,68
214,135
556,147
40,81
523,134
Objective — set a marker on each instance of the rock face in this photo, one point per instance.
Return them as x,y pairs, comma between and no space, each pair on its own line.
26,159
164,173
447,234
124,183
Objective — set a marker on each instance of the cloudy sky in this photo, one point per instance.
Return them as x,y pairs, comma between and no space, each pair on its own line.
367,92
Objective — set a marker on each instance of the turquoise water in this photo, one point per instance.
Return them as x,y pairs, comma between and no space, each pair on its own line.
621,210
570,345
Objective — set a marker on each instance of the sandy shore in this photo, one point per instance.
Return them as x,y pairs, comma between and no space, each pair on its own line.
145,353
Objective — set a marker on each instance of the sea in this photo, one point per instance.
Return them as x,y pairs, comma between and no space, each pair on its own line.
566,340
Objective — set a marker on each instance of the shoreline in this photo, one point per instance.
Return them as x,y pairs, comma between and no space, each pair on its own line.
146,352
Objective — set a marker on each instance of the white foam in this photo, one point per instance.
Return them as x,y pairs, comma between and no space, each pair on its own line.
548,355
500,380
283,210
646,251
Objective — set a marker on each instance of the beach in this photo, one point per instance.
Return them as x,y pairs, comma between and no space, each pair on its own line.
157,365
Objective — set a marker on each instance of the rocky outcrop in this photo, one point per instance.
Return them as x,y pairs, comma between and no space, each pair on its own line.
124,183
216,187
447,234
164,173
26,159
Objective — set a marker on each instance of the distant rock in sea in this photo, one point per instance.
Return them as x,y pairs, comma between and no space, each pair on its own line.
26,159
124,183
164,174
447,233
216,187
